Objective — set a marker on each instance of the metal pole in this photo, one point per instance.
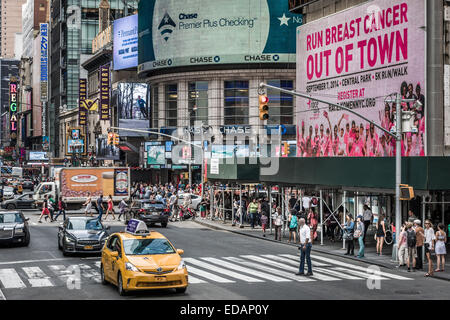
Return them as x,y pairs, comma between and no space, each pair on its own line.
190,160
203,166
398,176
223,204
423,224
211,200
240,202
443,206
269,190
232,209
321,218
282,210
343,217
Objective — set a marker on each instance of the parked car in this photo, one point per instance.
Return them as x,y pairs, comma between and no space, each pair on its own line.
149,211
14,228
195,200
82,234
24,201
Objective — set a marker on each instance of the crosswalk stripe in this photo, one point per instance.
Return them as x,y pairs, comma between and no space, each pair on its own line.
269,269
347,265
207,275
316,275
10,279
89,273
37,277
98,264
246,270
337,274
194,280
61,271
294,262
226,272
361,274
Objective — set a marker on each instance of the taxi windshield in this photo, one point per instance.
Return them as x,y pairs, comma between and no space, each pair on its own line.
147,246
10,218
91,224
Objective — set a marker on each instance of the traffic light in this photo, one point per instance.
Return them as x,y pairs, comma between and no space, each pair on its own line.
116,139
263,107
406,192
286,149
110,138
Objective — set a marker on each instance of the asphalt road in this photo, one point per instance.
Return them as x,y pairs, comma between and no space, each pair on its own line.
221,265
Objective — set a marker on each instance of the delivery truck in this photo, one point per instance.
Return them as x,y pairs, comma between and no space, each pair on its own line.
73,185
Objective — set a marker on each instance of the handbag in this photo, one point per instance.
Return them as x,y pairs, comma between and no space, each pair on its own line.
347,235
357,233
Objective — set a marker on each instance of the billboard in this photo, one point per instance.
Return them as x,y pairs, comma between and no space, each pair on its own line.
357,58
133,108
82,96
38,156
13,108
125,51
103,151
105,81
44,62
199,32
156,155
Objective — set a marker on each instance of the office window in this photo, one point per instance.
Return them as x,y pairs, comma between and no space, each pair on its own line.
198,102
171,91
236,102
281,105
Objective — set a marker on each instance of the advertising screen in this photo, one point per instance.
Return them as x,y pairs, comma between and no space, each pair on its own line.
104,151
208,32
359,58
40,156
125,42
156,155
133,108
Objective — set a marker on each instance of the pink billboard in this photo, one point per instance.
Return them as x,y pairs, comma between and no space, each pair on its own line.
359,58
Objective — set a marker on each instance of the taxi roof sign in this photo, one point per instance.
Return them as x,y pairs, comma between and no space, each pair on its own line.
137,227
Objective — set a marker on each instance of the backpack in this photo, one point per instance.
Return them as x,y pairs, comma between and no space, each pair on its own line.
293,222
411,238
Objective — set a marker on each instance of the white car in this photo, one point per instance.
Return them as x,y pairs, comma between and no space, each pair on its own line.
8,193
195,200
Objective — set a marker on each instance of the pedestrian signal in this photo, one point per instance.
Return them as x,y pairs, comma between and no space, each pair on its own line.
286,150
110,138
406,192
263,107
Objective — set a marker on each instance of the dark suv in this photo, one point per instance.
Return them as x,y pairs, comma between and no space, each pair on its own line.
14,228
149,211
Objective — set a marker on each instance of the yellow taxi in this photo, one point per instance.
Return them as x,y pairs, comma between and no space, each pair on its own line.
138,259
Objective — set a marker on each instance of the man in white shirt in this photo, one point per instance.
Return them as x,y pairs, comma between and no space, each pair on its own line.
305,248
306,202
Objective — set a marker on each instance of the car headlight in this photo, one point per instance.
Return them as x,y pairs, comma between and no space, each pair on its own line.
68,239
129,266
182,265
19,230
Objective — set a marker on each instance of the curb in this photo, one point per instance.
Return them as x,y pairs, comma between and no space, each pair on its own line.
215,227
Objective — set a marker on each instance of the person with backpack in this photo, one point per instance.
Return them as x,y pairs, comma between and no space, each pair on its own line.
402,247
359,234
61,209
293,224
420,237
122,206
411,243
349,228
277,218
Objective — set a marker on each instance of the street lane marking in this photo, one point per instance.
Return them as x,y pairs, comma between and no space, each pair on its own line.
245,270
295,263
89,273
61,271
207,275
361,274
194,280
2,296
337,274
316,275
347,265
98,264
261,267
37,277
10,279
226,272
45,260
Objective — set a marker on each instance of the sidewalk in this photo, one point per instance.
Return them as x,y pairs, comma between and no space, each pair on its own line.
328,247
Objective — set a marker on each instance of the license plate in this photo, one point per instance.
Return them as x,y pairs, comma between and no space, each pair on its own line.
162,279
155,213
88,247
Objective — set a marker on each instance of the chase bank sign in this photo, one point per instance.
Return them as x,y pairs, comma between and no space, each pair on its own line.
215,32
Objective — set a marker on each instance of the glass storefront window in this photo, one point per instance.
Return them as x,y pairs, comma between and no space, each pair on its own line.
281,105
154,106
236,104
198,102
171,92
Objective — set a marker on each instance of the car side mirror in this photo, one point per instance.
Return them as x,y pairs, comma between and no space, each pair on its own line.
114,254
108,227
180,251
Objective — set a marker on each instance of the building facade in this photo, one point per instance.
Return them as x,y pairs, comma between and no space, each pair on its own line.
11,23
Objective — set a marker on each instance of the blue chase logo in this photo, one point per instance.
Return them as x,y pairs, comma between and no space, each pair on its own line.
165,25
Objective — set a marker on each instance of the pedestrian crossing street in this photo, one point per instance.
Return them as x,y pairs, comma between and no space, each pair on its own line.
224,270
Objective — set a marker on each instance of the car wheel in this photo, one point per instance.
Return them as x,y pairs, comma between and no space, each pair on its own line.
10,206
65,253
164,224
102,275
122,291
27,241
181,290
